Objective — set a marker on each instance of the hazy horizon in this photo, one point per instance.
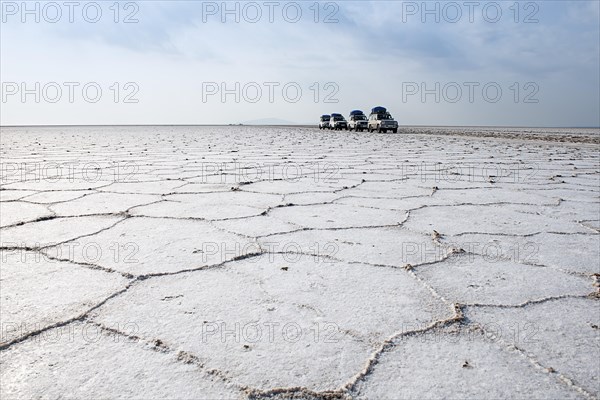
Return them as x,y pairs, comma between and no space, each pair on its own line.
204,63
295,124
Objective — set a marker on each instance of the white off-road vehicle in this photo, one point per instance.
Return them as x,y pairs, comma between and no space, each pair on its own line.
382,121
324,121
357,121
338,122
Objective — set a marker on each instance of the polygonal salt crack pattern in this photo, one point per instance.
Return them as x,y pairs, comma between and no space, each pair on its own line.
500,219
457,358
473,279
55,231
102,203
386,246
147,246
428,264
68,291
559,334
328,216
15,213
221,312
94,361
577,253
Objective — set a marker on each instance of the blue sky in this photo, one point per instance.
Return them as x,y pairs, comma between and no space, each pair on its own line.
544,58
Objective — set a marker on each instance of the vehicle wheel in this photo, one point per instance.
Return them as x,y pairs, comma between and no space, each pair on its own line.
379,130
395,131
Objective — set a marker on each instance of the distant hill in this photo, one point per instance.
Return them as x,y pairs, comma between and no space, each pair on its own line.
269,121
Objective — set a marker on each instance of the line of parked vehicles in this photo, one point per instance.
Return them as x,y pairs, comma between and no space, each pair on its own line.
380,120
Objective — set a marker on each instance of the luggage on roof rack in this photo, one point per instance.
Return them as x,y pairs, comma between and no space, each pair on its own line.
336,115
356,112
379,110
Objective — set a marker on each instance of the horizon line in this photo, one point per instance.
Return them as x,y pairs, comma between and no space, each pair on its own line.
288,125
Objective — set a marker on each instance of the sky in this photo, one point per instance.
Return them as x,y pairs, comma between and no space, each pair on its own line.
473,63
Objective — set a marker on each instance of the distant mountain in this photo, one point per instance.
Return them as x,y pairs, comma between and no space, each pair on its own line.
269,121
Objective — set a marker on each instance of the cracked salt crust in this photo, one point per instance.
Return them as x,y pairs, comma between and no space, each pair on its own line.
55,231
312,294
13,213
505,219
153,246
560,334
133,186
47,183
373,196
66,291
102,203
88,362
256,226
189,209
458,359
324,216
290,185
468,279
12,195
388,246
572,253
55,197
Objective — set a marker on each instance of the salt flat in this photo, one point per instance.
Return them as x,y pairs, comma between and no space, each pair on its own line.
280,262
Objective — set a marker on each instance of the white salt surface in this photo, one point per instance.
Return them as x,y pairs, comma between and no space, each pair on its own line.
253,262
